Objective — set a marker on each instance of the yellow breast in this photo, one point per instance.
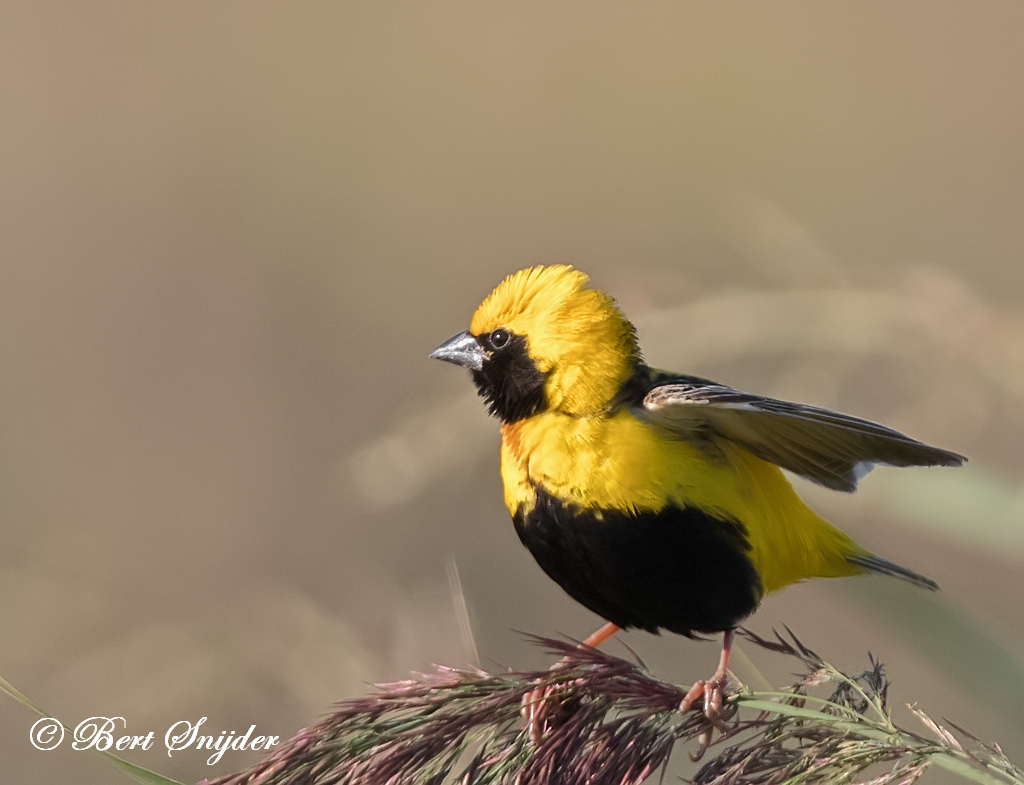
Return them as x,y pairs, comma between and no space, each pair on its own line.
618,462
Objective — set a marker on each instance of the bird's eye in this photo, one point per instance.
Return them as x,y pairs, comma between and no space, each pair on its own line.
499,338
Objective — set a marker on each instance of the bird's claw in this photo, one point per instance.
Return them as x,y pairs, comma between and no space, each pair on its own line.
712,691
534,711
545,708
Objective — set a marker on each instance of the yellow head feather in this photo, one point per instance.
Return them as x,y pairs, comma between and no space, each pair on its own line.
575,335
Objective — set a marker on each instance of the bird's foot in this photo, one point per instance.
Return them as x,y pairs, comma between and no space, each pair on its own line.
540,707
712,691
545,708
535,711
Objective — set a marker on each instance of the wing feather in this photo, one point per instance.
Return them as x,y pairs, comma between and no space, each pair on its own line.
830,448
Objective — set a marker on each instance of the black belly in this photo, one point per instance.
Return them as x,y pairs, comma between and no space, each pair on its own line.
679,569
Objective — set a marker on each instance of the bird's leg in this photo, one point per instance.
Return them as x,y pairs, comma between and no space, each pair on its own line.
712,692
711,688
599,637
535,702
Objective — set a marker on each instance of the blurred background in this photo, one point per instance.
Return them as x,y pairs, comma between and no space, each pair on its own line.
232,484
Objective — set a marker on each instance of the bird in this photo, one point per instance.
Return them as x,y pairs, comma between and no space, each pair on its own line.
657,499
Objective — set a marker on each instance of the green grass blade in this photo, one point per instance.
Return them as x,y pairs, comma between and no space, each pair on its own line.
140,774
952,641
970,771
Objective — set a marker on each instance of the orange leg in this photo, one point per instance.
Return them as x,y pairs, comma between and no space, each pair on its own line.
601,636
535,701
712,688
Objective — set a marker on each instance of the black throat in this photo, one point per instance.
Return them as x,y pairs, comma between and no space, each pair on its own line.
511,383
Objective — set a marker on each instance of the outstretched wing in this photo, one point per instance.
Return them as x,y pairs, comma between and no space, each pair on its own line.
832,449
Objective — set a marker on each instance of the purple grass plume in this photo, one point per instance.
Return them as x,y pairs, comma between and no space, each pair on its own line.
612,723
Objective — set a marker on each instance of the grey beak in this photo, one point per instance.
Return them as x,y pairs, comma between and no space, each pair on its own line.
462,349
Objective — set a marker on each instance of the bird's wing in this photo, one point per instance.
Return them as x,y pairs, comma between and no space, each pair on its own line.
832,449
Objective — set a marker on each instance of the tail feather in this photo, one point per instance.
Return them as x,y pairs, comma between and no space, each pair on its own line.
885,567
